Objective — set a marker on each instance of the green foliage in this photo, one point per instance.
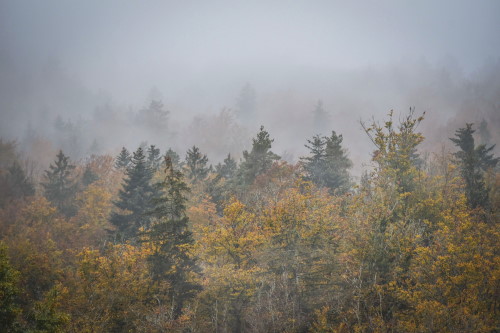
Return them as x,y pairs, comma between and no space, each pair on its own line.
48,316
171,240
134,199
59,187
123,160
258,160
227,169
473,161
9,307
328,164
196,164
15,184
154,158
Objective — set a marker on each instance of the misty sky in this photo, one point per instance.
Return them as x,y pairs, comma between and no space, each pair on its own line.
114,45
362,58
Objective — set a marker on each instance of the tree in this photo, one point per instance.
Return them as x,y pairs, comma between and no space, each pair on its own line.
473,161
227,169
9,309
154,158
15,184
196,164
59,187
246,103
89,176
337,164
134,199
174,157
123,159
155,117
258,160
171,240
328,166
321,118
396,155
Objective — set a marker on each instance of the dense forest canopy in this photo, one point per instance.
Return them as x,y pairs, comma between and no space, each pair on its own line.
249,166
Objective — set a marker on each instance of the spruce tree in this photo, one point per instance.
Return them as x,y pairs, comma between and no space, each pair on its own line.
258,160
59,186
321,118
473,161
134,199
314,165
15,184
171,239
174,157
196,164
154,158
337,165
89,176
123,159
328,164
227,169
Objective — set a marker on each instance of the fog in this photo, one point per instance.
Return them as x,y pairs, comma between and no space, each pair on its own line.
76,75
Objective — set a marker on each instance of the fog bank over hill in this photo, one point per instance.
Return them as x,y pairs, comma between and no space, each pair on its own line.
83,76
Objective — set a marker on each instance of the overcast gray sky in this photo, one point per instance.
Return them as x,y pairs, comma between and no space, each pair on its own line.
362,58
110,43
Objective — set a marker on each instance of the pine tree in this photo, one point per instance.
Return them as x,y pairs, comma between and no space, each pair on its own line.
134,200
328,164
89,176
154,158
258,160
321,118
227,169
196,164
171,240
59,187
174,157
314,165
337,165
473,161
15,184
246,104
123,159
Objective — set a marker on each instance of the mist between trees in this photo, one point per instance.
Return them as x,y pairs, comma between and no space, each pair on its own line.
152,240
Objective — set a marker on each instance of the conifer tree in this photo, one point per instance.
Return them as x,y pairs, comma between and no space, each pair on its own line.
196,164
227,169
134,199
314,165
174,157
171,240
473,161
59,187
15,184
89,176
258,160
337,164
123,159
328,164
154,158
321,118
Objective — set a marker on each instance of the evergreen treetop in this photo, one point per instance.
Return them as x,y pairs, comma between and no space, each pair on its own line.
134,199
196,163
258,160
59,187
474,161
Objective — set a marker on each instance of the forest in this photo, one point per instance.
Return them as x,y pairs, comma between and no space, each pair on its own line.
157,241
253,166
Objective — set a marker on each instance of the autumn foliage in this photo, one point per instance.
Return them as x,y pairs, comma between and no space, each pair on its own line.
263,246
